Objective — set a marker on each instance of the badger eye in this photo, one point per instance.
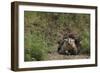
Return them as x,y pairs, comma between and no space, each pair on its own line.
68,43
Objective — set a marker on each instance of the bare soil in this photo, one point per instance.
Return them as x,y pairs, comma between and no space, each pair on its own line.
57,56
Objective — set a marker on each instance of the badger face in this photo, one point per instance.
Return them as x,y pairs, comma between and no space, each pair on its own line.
67,46
69,43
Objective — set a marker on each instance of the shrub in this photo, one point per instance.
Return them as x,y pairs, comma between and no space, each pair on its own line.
85,43
27,54
38,49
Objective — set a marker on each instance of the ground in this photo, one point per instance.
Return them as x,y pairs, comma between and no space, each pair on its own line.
56,56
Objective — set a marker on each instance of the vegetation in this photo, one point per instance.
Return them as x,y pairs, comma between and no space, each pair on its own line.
43,30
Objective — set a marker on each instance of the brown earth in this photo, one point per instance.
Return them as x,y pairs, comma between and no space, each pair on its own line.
56,56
